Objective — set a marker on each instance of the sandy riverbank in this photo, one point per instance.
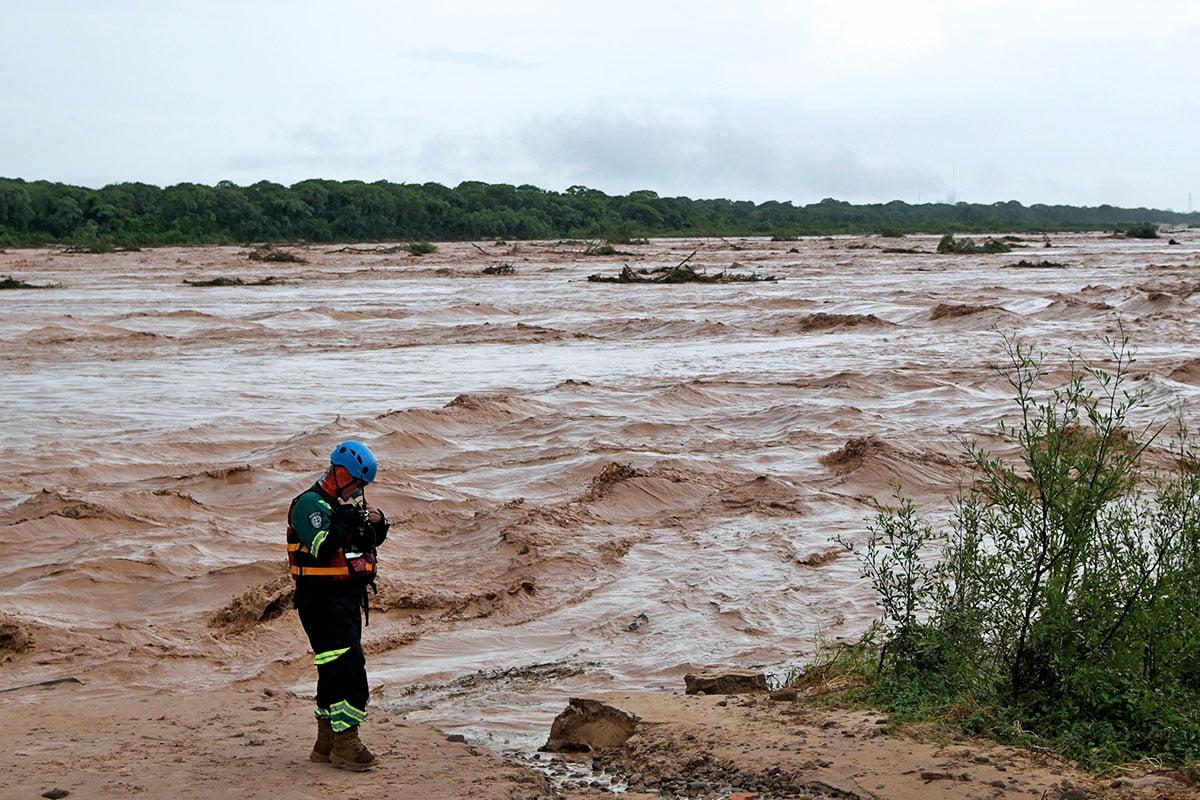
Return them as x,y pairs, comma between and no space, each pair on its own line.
252,742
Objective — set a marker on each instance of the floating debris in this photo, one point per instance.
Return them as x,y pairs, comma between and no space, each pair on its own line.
273,255
679,274
1023,264
270,280
412,248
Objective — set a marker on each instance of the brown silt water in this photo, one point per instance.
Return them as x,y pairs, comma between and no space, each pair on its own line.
592,486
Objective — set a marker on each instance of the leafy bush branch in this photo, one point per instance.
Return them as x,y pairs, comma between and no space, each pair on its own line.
1062,601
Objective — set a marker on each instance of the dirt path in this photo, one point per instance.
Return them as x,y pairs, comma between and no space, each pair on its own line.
712,746
230,742
253,744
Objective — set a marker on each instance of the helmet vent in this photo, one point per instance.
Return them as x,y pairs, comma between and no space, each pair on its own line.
356,458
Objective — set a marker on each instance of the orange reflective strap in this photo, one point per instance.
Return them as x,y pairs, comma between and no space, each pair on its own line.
342,572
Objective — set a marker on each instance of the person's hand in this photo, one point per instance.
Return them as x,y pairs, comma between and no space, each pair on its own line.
346,514
379,524
346,520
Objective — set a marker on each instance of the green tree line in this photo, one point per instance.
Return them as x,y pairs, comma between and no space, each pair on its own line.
37,212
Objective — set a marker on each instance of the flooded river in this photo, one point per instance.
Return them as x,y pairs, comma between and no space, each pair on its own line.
592,485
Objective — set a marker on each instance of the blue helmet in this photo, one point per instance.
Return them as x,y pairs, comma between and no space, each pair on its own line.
357,458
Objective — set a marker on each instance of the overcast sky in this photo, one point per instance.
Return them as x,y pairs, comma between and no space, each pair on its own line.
1074,101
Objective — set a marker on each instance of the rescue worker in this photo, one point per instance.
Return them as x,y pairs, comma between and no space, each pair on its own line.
332,536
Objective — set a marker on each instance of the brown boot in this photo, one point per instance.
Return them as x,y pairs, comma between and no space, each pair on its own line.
324,743
350,753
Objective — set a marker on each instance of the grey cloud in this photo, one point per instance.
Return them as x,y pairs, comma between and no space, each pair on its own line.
745,158
743,151
319,150
616,152
781,100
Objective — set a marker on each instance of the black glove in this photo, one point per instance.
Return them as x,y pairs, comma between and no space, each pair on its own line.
346,524
348,515
380,529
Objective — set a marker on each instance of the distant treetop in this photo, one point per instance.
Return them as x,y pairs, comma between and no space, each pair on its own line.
128,214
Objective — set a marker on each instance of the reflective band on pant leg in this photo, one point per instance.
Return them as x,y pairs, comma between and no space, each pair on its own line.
344,716
343,707
322,713
329,655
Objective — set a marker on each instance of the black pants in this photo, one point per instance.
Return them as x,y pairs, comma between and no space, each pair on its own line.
332,619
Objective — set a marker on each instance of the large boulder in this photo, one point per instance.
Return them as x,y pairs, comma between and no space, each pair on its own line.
589,725
730,681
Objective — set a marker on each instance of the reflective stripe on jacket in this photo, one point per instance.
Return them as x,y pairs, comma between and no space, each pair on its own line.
309,518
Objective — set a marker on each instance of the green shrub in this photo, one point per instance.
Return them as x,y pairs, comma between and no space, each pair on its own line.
949,244
1062,610
9,282
627,232
420,248
603,249
1145,230
271,254
87,239
623,238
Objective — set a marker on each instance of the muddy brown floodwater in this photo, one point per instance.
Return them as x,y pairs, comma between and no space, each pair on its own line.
593,487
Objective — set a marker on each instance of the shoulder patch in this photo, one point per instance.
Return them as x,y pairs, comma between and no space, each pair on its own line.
316,520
